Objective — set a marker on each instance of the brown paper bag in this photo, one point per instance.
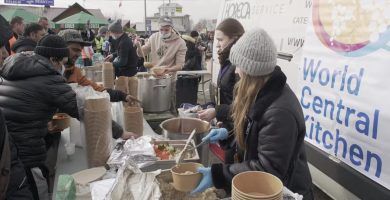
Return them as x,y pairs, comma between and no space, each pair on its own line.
122,84
133,119
133,86
98,135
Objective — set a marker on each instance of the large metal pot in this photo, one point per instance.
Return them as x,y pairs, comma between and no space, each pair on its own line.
154,93
94,73
181,128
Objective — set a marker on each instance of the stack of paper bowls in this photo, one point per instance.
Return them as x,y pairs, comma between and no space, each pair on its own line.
108,75
256,185
98,133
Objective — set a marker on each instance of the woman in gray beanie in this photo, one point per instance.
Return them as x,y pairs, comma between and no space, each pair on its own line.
269,127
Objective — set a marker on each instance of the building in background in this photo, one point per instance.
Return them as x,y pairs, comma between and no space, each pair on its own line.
181,21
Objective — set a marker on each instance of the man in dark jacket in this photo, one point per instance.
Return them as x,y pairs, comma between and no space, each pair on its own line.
125,58
32,34
12,180
32,90
44,22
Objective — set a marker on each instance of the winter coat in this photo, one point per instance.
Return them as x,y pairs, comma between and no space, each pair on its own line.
165,52
227,78
274,139
193,59
31,92
125,58
13,179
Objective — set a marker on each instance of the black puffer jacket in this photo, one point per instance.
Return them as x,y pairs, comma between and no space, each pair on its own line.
274,139
31,91
227,78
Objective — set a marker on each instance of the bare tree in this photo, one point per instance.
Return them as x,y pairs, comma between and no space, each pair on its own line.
201,25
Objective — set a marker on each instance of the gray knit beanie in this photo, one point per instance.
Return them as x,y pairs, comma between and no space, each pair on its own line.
254,53
116,27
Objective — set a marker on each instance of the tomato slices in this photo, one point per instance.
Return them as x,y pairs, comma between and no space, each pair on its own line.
164,151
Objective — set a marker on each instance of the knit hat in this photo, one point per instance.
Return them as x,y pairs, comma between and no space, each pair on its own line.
103,30
23,44
52,46
254,53
194,34
165,21
116,27
73,36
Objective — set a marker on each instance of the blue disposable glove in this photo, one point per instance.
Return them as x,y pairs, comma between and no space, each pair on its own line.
216,134
206,182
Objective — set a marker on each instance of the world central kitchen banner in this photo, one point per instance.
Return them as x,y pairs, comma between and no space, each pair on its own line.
344,83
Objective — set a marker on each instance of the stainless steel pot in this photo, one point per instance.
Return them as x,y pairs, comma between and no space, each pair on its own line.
94,73
155,94
181,128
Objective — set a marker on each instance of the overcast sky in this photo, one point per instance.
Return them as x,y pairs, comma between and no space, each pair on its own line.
134,9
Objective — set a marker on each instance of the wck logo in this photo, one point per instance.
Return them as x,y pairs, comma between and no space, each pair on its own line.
352,28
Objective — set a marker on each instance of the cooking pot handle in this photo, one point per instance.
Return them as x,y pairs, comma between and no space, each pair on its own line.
159,86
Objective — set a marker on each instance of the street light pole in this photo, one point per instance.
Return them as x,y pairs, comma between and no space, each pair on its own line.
145,15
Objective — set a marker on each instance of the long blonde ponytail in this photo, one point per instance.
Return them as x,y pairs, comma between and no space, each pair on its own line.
245,92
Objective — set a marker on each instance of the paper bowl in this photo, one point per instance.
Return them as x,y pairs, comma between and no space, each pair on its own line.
61,120
159,71
256,185
186,182
148,65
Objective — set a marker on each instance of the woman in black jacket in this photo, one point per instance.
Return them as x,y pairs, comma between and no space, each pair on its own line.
227,33
269,127
31,91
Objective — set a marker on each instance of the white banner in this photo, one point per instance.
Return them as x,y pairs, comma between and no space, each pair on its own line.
284,20
344,85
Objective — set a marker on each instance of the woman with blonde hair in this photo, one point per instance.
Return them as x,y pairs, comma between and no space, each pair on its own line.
269,127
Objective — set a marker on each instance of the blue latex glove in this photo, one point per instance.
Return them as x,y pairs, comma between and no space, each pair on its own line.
206,182
216,134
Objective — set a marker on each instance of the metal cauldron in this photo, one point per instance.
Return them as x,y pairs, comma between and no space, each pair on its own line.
94,73
181,128
154,93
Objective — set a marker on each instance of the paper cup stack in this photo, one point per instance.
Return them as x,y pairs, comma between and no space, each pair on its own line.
108,75
256,185
133,119
122,84
133,86
98,133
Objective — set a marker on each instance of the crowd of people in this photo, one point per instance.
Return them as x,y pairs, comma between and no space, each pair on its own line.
261,124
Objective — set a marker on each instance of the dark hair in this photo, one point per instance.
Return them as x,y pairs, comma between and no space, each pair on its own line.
16,20
42,18
231,28
32,28
194,34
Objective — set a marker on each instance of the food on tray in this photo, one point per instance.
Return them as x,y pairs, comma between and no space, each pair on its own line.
165,151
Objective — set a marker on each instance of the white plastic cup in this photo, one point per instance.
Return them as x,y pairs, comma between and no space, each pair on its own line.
70,148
